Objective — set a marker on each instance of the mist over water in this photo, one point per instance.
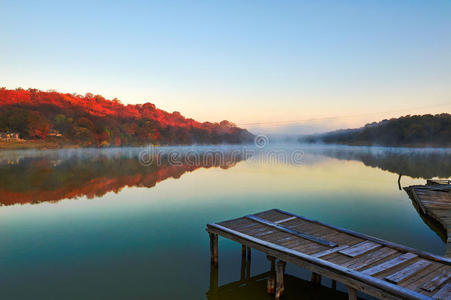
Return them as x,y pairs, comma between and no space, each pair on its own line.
121,222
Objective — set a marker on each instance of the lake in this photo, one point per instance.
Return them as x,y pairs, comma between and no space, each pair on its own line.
130,222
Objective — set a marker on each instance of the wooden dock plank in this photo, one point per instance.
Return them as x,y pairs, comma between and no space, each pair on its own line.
408,271
292,231
419,279
329,251
438,280
285,220
444,292
371,258
360,248
390,264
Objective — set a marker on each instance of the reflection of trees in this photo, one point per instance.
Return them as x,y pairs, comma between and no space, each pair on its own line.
39,179
413,163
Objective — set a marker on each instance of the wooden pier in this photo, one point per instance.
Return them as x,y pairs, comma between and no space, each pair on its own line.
434,201
363,263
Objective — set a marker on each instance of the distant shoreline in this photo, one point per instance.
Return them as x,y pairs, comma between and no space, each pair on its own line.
35,144
48,144
361,144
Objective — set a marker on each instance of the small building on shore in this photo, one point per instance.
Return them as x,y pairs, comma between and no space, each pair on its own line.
54,132
9,136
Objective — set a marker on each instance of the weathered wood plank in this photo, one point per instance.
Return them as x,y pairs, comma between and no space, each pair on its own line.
436,281
390,264
408,271
295,232
370,258
444,292
285,220
360,248
329,251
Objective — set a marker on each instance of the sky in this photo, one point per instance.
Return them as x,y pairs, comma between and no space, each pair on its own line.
270,66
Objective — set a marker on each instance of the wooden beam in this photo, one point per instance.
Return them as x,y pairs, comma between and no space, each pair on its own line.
280,268
316,278
292,231
271,281
214,248
272,259
243,267
270,284
352,293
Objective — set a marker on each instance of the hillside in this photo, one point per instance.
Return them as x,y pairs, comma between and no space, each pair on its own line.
92,120
418,130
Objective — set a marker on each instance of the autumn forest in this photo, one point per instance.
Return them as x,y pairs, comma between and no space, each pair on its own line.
92,120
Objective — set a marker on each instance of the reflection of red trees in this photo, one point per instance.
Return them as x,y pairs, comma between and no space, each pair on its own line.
96,187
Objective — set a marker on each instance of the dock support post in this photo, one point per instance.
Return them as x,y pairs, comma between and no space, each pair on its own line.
334,284
352,293
243,266
272,259
214,248
271,281
280,269
248,264
243,251
213,280
316,278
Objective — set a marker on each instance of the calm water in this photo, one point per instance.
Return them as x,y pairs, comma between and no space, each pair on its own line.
114,223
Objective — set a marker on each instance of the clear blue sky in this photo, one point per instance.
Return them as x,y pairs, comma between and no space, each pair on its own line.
246,61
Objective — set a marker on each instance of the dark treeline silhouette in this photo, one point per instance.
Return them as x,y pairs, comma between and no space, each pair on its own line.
92,120
34,179
425,130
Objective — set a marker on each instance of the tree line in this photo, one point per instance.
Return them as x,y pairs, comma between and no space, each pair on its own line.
92,120
417,130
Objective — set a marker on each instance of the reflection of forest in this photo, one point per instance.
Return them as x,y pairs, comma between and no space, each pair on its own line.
413,163
42,178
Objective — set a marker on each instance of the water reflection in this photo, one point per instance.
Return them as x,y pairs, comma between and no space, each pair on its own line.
40,176
149,239
53,176
255,287
415,163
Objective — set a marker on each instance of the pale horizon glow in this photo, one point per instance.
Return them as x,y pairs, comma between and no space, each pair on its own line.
329,64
